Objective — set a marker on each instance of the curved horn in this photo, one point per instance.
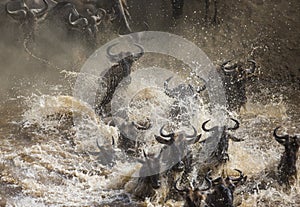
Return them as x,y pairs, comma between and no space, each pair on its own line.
236,126
203,126
140,127
16,14
165,135
251,69
78,21
280,139
141,49
192,135
239,178
97,18
167,141
226,69
112,56
103,11
180,190
42,11
98,145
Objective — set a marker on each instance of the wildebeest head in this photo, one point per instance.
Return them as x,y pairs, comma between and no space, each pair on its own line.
223,142
125,59
24,13
287,167
179,137
222,190
194,196
87,21
237,71
107,154
176,146
234,79
149,178
182,91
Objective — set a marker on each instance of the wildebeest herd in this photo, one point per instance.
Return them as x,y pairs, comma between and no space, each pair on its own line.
84,18
176,146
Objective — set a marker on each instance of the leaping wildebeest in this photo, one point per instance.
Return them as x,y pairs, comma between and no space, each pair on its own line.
114,75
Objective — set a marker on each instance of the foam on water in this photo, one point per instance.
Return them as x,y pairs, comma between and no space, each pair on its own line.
58,166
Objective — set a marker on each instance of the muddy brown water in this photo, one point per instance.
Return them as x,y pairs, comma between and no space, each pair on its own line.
42,162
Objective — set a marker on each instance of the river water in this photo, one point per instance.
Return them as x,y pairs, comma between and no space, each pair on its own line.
47,160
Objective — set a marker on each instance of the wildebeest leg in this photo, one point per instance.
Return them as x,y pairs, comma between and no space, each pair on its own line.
123,13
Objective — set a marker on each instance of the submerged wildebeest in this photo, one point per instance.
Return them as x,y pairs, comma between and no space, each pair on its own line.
217,144
223,189
183,95
107,155
234,79
194,196
149,177
218,193
287,170
114,75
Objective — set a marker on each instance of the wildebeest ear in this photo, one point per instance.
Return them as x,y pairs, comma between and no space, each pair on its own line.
167,141
141,161
235,139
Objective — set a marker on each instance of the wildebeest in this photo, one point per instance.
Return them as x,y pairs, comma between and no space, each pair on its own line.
287,170
234,79
82,16
176,150
107,154
116,9
27,17
195,196
218,193
149,177
222,190
114,75
183,93
220,140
